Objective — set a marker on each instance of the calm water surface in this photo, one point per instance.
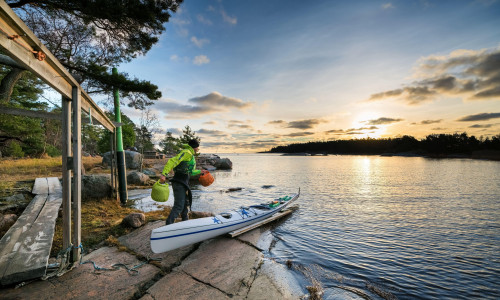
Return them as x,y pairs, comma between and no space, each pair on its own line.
377,227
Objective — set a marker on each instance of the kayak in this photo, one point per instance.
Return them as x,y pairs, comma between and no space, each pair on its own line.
176,235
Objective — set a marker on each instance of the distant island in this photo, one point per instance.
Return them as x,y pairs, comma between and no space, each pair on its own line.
434,145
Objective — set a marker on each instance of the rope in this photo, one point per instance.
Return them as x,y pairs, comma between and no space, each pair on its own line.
63,255
14,37
132,271
64,264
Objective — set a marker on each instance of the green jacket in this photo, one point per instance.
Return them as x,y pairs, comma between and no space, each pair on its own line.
183,164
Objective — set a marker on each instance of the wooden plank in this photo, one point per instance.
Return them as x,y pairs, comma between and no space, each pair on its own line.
258,224
77,173
11,241
97,114
54,185
32,249
29,113
50,70
66,172
25,248
46,70
41,186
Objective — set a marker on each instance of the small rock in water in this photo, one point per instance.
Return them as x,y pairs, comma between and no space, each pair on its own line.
267,186
233,189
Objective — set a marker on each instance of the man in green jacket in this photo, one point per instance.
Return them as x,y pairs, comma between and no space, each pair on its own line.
184,166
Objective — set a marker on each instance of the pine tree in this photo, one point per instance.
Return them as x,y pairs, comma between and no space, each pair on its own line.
89,37
187,135
169,144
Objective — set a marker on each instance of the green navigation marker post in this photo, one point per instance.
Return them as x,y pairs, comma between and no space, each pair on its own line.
120,155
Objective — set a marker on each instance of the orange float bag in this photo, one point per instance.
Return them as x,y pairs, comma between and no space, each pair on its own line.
206,179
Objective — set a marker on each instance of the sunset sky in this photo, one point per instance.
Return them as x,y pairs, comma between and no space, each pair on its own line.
250,75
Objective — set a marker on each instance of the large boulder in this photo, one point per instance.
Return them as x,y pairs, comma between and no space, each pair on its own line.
224,164
133,160
15,202
209,160
96,186
137,178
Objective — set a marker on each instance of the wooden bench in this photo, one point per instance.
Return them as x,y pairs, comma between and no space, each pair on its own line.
25,248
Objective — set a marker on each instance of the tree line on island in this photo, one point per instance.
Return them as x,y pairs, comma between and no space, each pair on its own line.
433,145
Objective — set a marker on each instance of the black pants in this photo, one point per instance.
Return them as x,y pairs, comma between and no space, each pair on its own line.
181,202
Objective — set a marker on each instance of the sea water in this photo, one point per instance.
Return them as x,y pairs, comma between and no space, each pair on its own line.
370,227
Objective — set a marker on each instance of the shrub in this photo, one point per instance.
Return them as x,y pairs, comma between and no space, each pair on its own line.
52,151
13,149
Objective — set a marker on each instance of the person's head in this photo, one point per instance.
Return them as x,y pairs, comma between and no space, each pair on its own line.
194,144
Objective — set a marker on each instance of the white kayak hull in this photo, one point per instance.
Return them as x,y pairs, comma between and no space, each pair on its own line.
173,236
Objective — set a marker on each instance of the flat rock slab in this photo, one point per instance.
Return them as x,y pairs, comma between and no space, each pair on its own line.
179,285
138,241
225,264
261,238
274,281
86,283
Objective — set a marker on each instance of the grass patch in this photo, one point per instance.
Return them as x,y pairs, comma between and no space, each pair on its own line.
101,221
17,175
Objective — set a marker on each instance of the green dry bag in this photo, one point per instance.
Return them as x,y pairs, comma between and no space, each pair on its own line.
160,191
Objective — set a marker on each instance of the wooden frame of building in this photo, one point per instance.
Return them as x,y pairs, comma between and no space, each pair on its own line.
26,50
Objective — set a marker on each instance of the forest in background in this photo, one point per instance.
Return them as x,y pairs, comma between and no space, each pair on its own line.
433,145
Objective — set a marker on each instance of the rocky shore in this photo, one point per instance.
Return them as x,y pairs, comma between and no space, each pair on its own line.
220,268
126,268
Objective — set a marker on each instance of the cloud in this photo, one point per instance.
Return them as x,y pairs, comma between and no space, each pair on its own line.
335,131
174,57
175,131
363,128
239,124
470,74
200,43
383,121
242,126
208,104
276,122
227,18
299,134
388,5
481,126
186,111
213,133
427,122
201,60
479,117
305,124
216,99
203,20
180,23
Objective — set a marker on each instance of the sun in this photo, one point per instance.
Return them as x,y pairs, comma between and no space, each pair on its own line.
361,125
